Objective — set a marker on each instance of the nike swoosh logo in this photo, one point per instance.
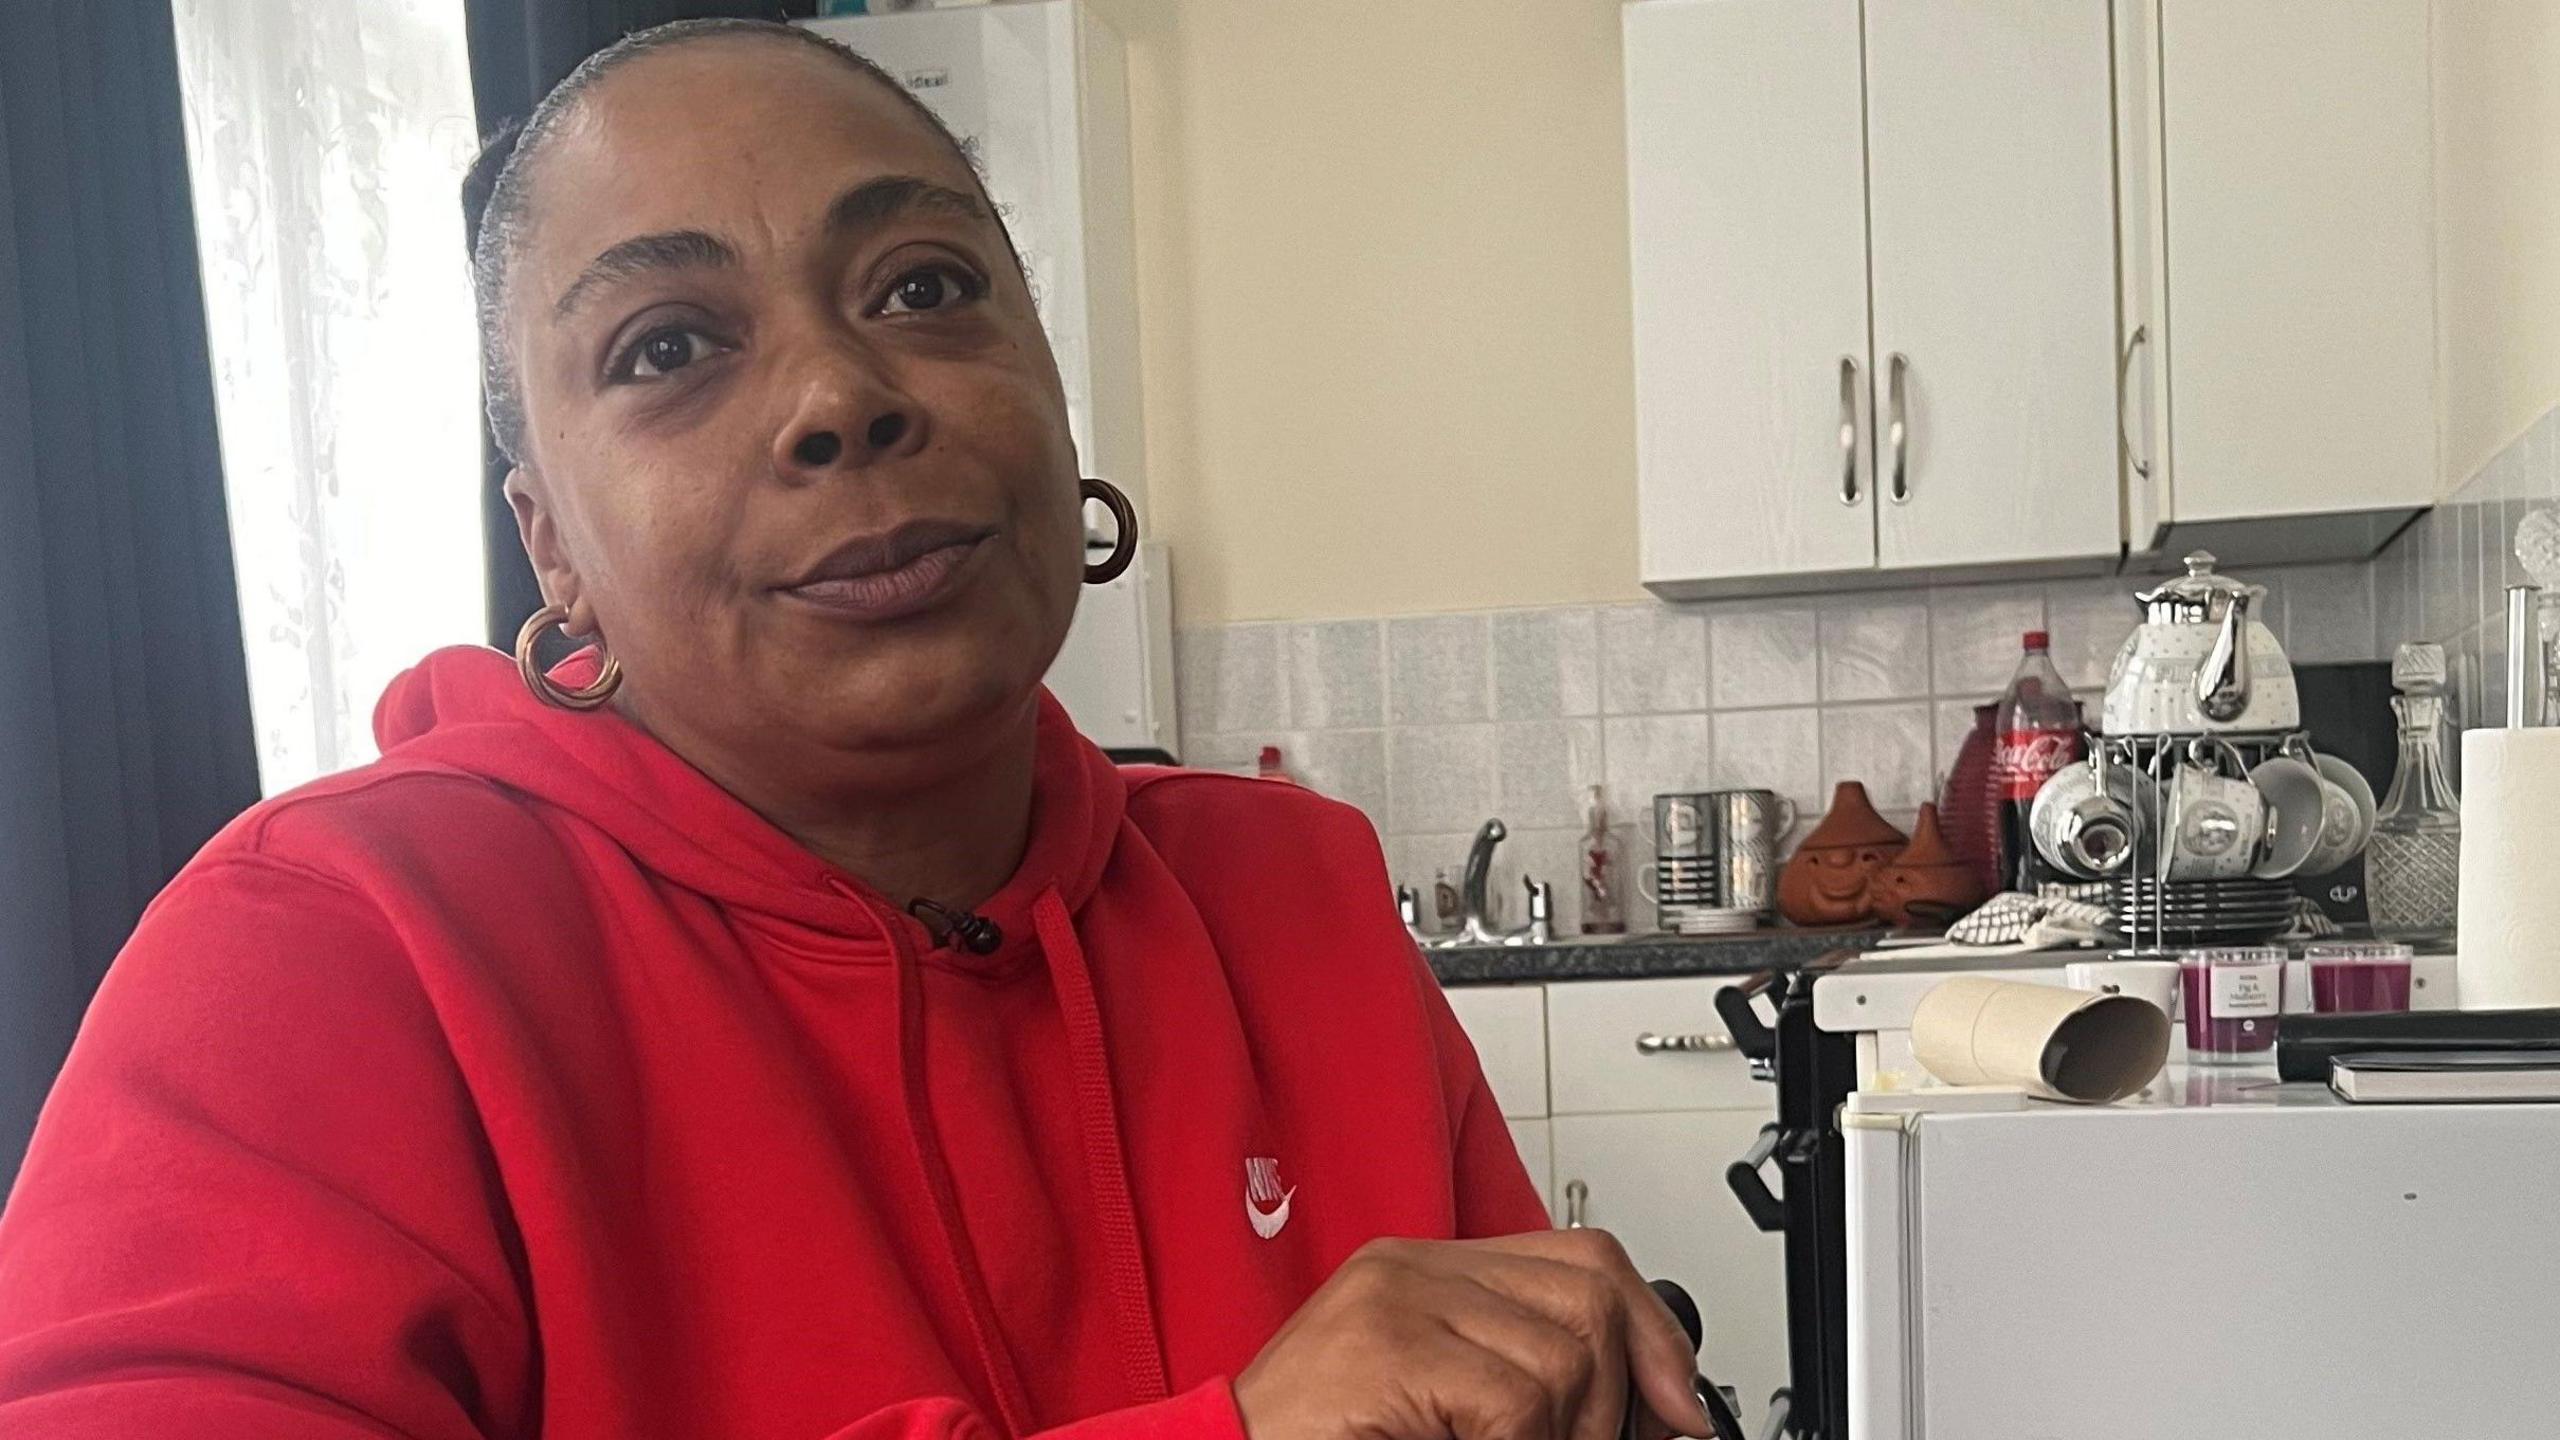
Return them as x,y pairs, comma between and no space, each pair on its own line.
1268,1225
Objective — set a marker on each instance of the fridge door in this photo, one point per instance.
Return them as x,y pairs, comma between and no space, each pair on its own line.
2299,1270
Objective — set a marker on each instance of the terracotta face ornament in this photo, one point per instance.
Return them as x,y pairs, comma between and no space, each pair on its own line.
1928,883
1827,881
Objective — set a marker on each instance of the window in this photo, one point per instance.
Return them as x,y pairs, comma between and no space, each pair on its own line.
326,145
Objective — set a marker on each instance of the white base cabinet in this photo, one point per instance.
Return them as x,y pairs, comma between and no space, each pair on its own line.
1634,1138
1536,1142
1655,1179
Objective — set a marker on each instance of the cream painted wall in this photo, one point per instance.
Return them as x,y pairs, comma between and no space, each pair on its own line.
2497,138
1383,289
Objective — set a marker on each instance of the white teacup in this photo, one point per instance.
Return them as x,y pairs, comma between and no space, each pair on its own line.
2213,826
2343,831
2152,980
2299,804
2358,790
2087,826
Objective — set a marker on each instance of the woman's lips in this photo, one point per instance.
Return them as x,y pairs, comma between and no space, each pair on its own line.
896,592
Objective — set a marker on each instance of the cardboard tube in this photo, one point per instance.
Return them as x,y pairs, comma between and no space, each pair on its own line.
2055,1044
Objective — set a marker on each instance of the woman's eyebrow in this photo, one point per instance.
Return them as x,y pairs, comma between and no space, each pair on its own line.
671,250
858,211
874,203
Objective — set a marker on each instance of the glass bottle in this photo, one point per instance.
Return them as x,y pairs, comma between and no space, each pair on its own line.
1602,912
2413,863
2037,737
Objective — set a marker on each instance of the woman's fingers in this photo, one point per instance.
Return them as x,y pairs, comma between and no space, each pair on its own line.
1586,1390
1657,1351
1478,1393
1531,1337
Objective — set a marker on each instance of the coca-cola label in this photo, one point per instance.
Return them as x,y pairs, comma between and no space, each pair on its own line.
2022,760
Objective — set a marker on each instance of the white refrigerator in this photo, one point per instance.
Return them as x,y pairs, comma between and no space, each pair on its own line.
2231,1259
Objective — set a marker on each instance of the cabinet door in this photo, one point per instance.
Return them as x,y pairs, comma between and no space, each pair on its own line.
1600,1062
1991,173
2299,180
1536,1143
2142,375
1656,1181
1508,1026
1747,218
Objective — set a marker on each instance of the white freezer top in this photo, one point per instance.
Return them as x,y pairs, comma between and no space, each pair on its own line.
1878,990
2248,1260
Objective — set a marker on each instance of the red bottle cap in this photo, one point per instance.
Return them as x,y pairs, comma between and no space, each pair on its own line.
2039,639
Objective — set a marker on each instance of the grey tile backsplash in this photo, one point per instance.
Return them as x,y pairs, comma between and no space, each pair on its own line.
1433,723
2445,577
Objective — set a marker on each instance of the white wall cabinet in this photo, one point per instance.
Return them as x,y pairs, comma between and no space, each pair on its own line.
1635,1139
1747,209
1959,289
1990,187
2290,226
1873,267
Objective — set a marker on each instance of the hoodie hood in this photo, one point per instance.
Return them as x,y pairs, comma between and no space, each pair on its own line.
466,709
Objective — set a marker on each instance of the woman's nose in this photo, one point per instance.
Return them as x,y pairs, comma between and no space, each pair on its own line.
856,420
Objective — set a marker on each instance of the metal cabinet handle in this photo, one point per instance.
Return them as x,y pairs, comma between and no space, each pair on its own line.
2140,337
1575,1193
1899,429
1848,430
1649,1043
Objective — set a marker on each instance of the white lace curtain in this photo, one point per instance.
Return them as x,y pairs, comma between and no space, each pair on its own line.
326,145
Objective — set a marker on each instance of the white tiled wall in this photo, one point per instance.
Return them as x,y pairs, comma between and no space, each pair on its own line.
1431,724
2445,577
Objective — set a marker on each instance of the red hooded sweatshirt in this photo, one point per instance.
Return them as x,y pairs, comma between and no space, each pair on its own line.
526,1083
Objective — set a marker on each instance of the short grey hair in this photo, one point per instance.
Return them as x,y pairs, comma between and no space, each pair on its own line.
500,216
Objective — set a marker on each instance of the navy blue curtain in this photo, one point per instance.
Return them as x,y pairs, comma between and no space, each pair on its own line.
519,50
125,738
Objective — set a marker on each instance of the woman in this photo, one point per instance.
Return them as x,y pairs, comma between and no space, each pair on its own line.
777,1021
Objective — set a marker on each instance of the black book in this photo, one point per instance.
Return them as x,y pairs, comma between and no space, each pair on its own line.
2307,1045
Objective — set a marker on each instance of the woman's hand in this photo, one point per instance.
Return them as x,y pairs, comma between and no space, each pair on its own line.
1529,1337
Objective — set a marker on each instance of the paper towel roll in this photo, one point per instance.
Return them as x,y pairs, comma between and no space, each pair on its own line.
2508,948
2054,1044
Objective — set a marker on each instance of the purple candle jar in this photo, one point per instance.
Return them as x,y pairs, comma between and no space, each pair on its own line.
2234,997
2351,976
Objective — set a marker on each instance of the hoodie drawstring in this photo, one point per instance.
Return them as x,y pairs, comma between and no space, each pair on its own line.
1106,1162
995,1361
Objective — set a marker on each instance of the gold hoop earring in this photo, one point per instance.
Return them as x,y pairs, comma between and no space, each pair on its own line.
549,691
1124,544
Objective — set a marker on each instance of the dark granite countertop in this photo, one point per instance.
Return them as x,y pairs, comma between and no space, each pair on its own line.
1639,957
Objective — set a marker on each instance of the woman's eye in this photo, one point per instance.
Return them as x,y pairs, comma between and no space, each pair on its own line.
931,288
664,351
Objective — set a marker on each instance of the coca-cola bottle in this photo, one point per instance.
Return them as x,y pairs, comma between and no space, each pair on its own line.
2038,733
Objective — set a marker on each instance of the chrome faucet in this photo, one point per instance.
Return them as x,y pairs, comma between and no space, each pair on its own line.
1477,926
1476,923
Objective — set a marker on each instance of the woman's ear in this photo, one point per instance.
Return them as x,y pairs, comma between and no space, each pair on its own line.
539,529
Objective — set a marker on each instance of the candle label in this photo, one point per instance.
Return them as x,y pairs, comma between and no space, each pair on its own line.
2242,990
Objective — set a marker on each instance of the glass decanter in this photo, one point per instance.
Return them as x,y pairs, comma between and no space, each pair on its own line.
2413,864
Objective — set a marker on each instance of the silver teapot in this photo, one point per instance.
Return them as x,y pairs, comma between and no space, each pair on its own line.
2201,663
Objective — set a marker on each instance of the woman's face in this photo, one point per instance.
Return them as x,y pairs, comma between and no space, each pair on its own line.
794,443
